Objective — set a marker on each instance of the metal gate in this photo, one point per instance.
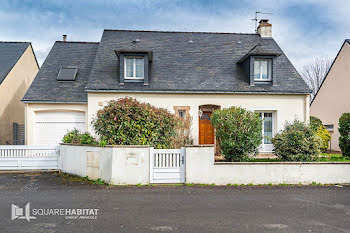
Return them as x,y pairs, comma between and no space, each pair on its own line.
17,157
167,165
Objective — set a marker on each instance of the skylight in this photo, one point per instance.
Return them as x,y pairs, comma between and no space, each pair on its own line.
67,74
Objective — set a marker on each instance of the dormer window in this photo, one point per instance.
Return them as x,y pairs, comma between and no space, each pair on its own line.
134,68
262,70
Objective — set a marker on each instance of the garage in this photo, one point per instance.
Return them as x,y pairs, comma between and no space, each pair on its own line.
50,127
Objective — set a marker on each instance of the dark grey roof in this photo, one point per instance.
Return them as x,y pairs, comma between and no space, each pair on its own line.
10,53
261,51
46,88
187,62
207,64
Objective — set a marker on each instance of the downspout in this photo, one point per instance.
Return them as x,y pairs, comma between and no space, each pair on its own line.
307,108
25,124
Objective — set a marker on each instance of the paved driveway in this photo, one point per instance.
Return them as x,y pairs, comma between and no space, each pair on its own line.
173,208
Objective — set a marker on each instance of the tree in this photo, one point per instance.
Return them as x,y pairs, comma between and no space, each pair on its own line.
315,72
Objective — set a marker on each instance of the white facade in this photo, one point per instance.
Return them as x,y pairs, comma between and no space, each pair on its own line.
284,107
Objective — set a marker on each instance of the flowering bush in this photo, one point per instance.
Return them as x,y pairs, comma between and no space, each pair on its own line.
238,132
323,133
320,130
127,121
297,142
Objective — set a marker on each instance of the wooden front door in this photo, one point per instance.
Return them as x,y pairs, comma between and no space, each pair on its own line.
206,130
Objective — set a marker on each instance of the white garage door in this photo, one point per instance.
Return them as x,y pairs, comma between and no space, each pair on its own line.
50,127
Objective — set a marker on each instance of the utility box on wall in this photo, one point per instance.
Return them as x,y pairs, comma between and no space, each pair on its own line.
93,164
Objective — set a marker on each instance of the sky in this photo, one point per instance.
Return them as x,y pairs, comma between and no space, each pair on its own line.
304,29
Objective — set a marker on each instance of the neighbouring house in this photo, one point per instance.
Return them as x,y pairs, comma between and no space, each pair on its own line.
188,73
333,97
18,67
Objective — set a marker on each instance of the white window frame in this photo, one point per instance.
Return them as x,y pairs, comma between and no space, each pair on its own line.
267,147
134,68
184,111
269,69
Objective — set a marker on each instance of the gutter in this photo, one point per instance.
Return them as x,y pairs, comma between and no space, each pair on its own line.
52,102
198,92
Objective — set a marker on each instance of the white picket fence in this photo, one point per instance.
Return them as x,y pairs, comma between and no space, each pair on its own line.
167,165
20,157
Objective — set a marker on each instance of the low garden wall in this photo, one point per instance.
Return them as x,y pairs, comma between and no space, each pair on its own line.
113,164
120,165
202,169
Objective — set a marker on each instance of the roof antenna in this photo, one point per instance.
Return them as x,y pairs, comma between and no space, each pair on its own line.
256,18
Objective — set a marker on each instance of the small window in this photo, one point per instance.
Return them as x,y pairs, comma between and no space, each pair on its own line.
329,127
134,68
182,113
262,70
67,74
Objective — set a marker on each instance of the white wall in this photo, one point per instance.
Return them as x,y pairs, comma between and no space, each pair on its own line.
287,107
130,165
201,169
73,159
118,164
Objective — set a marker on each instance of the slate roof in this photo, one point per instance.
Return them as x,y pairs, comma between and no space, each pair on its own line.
10,53
261,51
45,87
182,62
207,64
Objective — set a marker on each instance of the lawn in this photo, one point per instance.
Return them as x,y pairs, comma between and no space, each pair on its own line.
323,158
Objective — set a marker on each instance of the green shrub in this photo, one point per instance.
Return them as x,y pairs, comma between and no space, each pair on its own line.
127,121
344,130
76,137
238,132
86,138
318,127
72,136
297,142
323,133
315,123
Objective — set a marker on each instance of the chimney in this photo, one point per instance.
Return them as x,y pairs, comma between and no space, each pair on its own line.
264,28
64,38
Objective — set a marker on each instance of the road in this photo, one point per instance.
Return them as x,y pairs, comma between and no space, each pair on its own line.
173,208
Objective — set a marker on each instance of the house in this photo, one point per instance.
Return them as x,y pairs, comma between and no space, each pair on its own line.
188,73
333,97
18,67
